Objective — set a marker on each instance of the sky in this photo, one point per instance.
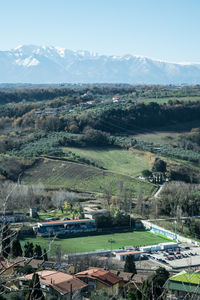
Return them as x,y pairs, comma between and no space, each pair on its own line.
160,29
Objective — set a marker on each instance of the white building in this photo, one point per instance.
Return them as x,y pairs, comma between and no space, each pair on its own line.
122,255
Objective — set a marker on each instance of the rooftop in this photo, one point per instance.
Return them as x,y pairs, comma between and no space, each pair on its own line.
103,276
186,277
66,221
128,252
58,280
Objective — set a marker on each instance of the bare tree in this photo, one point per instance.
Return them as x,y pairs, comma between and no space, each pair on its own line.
62,196
140,200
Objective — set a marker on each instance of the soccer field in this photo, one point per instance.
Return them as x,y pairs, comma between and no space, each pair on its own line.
97,242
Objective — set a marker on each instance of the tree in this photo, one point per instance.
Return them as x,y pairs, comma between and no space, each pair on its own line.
37,252
35,289
153,287
140,200
61,196
27,269
146,173
159,165
45,256
28,249
5,240
16,249
130,265
134,295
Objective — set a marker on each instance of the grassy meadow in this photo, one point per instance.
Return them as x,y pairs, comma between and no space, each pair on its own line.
124,162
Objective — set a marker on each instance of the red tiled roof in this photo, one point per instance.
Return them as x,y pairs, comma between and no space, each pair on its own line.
103,276
58,280
67,221
127,252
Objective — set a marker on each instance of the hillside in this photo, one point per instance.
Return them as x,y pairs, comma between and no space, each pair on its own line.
56,174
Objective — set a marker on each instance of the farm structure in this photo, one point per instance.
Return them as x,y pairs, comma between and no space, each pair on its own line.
65,227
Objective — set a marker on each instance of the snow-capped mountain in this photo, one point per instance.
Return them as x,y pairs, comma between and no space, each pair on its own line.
33,64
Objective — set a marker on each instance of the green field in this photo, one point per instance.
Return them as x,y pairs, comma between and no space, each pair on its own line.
92,243
125,162
167,134
55,174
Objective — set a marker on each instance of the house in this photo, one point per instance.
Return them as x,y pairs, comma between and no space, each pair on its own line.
131,281
116,99
65,227
122,255
23,261
62,285
98,279
184,285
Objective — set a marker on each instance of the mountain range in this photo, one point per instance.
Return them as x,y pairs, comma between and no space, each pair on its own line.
35,64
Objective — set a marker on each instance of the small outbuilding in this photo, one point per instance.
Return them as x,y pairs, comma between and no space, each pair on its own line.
122,255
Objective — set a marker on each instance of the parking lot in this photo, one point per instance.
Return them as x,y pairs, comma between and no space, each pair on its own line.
181,257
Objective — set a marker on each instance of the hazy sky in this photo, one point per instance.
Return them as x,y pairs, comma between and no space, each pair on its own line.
162,29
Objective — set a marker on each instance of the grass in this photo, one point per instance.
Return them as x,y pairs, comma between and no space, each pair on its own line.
120,161
56,174
97,242
167,134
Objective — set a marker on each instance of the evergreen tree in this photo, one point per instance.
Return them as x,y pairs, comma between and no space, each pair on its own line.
5,240
37,252
129,265
134,295
159,165
16,249
153,287
35,291
45,256
28,249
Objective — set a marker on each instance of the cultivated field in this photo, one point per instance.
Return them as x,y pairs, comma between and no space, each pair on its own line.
55,174
167,134
92,243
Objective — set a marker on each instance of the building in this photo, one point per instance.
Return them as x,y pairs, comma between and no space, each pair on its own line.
166,246
159,247
122,255
11,217
65,227
184,285
151,248
40,263
131,281
62,285
98,279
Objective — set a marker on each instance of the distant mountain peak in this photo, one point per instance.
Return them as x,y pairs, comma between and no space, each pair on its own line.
49,64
